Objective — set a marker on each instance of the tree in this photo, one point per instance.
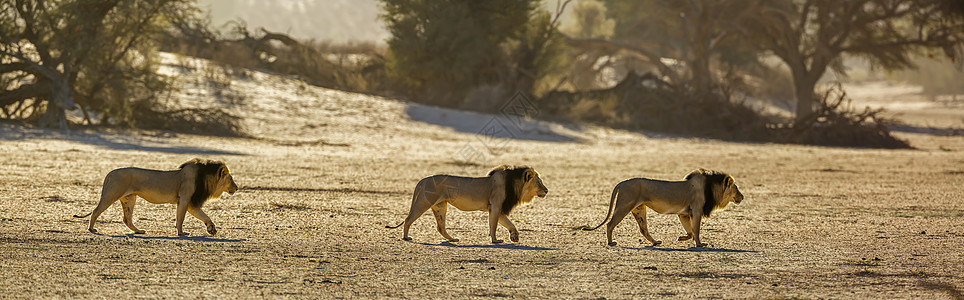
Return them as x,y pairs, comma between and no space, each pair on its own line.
97,55
812,36
439,49
707,31
696,32
590,21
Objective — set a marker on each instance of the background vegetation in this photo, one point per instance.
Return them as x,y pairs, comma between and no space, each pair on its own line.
686,67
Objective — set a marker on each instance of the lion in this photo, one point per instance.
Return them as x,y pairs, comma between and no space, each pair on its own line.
193,183
696,197
505,188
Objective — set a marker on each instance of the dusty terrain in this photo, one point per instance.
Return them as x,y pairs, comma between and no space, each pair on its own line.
327,170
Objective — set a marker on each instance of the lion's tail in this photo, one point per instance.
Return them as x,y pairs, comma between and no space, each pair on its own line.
84,216
396,226
609,212
418,188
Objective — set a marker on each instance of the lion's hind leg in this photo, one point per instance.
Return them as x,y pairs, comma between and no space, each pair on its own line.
105,202
128,204
685,221
640,213
623,206
439,211
419,207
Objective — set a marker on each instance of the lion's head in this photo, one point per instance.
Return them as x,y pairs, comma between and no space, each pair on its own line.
213,179
532,184
225,182
522,184
719,190
731,192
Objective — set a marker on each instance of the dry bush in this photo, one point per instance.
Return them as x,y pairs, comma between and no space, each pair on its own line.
189,120
648,103
350,67
346,67
836,123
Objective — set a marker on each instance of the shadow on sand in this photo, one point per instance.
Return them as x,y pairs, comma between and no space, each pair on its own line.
489,246
199,238
692,249
928,130
494,126
114,141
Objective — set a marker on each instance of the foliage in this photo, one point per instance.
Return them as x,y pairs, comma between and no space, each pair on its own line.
96,55
700,34
538,55
439,50
590,21
812,36
937,76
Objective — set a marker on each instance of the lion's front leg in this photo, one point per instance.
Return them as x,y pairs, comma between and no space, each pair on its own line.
496,197
200,215
184,199
695,222
513,232
494,213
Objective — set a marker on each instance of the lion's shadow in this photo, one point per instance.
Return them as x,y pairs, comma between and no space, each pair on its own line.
490,246
197,238
693,249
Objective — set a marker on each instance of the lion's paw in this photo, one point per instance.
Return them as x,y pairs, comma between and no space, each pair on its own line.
684,238
92,230
701,244
183,234
212,230
139,231
657,243
454,240
496,241
407,238
514,238
612,243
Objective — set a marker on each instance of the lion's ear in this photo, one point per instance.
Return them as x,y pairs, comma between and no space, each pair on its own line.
529,174
729,180
223,171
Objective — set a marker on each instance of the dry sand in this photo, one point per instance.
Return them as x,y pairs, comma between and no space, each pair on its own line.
329,169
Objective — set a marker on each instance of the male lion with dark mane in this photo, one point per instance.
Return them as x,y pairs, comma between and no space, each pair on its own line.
193,183
505,188
692,199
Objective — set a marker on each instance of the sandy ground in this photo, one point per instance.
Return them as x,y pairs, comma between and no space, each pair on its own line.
327,170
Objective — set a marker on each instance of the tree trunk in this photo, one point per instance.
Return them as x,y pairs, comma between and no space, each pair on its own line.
54,117
60,98
803,90
702,78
